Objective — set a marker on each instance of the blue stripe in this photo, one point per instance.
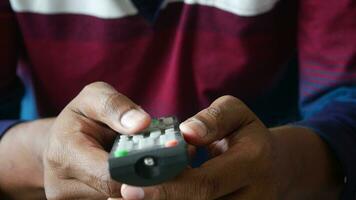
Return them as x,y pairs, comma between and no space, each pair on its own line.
341,94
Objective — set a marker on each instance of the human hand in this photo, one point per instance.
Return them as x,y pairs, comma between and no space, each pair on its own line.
249,161
75,157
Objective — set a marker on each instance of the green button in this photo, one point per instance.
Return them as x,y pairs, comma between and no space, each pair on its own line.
120,153
155,122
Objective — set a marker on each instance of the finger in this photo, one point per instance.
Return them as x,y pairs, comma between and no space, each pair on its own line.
132,192
217,177
101,102
222,117
218,147
170,190
83,159
198,184
104,135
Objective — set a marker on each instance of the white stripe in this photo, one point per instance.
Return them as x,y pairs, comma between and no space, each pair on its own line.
98,8
121,8
238,7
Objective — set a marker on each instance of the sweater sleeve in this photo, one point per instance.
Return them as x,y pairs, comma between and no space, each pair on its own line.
327,57
11,89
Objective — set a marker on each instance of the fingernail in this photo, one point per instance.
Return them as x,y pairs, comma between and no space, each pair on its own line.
194,126
113,199
133,118
131,192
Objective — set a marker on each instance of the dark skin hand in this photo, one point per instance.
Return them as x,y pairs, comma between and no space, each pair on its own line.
66,157
250,161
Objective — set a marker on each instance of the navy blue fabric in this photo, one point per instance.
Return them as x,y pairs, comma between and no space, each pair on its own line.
336,124
6,124
149,9
10,105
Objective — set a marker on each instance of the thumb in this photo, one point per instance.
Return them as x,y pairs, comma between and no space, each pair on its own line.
224,116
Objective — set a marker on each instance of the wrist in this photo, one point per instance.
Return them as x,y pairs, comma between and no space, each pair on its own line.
311,168
21,170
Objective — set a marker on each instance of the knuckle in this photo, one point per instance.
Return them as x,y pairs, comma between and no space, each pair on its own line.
213,118
98,84
94,86
233,101
229,98
56,161
214,112
238,106
88,88
108,102
115,102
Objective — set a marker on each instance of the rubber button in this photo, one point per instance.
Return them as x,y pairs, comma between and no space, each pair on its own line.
120,153
171,143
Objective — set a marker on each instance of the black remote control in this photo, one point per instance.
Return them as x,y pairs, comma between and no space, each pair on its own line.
153,156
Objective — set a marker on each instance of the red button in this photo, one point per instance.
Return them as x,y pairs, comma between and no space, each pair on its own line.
171,143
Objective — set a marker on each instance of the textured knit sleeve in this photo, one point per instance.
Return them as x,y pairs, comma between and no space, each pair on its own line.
327,56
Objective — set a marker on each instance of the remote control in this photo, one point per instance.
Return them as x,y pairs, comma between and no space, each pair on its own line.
153,156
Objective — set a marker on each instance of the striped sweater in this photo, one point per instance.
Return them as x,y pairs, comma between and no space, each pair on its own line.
174,57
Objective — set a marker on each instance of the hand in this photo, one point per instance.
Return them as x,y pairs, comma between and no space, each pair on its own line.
250,161
75,160
72,157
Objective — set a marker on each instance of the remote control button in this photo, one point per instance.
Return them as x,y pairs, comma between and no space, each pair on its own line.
137,138
120,153
170,136
169,130
150,142
168,120
155,134
121,145
171,143
154,123
125,145
129,146
149,161
146,143
141,143
162,139
124,137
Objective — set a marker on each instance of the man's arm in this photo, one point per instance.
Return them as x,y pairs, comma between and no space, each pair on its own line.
21,170
11,92
327,52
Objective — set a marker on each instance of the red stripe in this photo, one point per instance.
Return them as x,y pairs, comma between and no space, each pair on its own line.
344,75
